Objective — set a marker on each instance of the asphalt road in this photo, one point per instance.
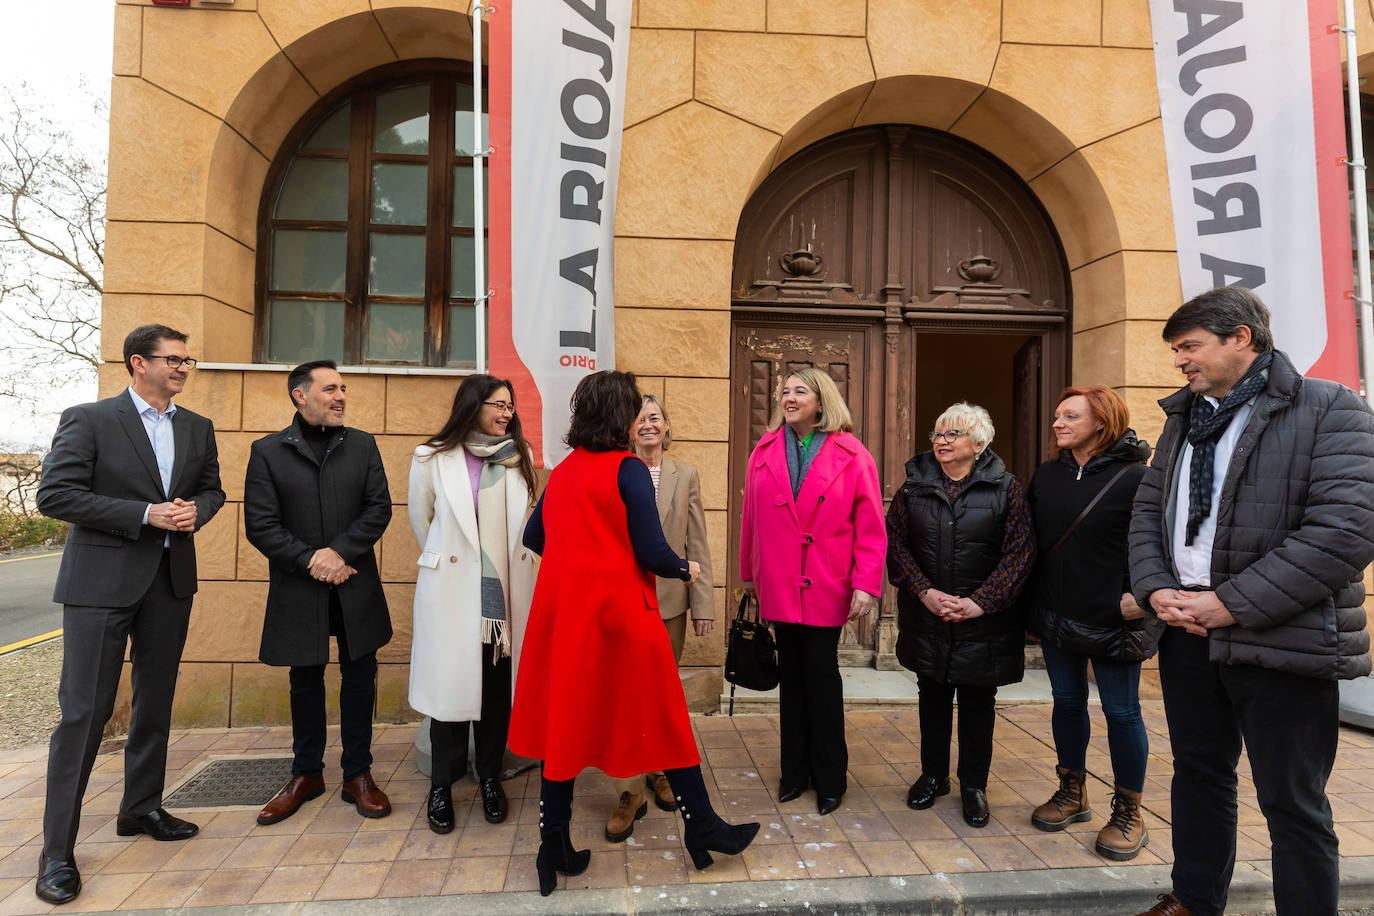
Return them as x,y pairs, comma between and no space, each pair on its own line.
26,606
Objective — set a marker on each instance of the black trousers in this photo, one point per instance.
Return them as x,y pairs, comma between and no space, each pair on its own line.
811,708
357,699
449,740
977,716
93,654
1290,726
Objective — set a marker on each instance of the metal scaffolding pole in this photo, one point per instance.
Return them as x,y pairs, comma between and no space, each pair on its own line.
1357,181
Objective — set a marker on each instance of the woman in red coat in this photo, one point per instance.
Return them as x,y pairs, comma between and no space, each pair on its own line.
594,627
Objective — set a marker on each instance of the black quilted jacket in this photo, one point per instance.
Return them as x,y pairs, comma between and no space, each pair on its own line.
1295,527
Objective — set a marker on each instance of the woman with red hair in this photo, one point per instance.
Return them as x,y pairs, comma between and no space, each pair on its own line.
1079,601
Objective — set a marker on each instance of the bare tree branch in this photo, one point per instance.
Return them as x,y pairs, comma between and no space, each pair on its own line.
52,239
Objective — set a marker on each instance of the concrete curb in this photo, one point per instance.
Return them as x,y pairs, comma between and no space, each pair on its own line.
1104,891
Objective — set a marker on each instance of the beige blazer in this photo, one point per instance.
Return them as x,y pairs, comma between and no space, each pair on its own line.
684,525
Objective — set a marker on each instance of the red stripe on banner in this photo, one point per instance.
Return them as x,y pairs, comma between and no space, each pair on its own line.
502,359
1338,361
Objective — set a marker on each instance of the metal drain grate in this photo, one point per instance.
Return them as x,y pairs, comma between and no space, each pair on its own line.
239,781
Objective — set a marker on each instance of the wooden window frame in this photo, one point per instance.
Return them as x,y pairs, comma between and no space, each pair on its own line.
447,81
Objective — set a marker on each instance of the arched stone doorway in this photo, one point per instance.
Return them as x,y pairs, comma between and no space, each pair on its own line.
917,270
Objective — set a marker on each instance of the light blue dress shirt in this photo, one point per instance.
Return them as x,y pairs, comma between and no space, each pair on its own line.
158,426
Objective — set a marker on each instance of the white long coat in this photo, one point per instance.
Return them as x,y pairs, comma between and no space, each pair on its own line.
445,652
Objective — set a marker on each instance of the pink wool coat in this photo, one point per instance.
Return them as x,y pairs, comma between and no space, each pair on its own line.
806,556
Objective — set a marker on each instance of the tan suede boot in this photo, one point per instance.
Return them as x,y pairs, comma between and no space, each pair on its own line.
629,809
1068,805
1125,833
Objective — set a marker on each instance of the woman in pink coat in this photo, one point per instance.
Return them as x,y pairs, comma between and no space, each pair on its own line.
812,544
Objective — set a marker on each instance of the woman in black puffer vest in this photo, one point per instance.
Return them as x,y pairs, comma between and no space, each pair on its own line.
1079,602
960,547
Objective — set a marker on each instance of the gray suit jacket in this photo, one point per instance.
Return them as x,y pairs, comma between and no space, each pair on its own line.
99,475
684,526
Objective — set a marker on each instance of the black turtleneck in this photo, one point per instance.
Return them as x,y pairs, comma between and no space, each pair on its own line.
317,437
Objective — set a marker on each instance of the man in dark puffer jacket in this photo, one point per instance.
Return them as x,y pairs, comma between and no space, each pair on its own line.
1250,536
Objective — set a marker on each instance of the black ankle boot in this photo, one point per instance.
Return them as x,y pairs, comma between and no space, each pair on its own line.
704,831
556,855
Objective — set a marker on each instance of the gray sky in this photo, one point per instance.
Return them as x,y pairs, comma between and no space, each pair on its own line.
54,46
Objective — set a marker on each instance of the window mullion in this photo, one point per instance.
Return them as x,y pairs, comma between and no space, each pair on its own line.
359,205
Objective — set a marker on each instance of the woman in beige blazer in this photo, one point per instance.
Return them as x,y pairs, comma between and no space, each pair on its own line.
678,491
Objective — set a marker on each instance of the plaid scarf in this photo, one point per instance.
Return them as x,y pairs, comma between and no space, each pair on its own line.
1205,426
798,458
497,454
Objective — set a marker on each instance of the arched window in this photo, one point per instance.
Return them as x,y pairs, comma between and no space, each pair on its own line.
366,243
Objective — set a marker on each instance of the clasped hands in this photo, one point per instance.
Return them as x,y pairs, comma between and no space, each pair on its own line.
1195,612
950,607
177,515
327,566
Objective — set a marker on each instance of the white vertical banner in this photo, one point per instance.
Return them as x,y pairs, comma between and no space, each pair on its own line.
568,61
1247,163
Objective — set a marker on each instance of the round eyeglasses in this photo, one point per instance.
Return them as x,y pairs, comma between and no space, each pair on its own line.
948,435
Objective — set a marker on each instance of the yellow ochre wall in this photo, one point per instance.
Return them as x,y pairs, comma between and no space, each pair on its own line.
720,92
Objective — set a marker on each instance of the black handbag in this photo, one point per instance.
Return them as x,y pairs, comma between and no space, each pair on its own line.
751,660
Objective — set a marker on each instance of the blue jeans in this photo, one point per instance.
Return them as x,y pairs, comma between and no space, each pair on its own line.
1118,686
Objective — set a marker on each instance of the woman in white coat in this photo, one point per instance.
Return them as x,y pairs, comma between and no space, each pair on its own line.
471,487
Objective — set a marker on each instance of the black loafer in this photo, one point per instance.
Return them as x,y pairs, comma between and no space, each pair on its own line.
975,807
493,800
157,824
789,793
925,790
58,880
827,803
439,808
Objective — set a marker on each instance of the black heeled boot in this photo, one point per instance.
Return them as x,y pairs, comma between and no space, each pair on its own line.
704,830
556,853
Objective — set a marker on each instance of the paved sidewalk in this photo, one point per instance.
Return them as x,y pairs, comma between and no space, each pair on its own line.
873,855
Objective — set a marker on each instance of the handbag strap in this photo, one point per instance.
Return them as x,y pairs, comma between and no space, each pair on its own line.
1086,509
743,607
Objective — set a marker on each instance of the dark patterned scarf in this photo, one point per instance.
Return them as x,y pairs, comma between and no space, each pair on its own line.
1205,426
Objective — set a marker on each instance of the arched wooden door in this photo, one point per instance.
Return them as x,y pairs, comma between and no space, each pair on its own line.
915,269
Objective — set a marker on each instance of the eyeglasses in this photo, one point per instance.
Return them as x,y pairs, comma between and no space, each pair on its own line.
173,362
501,406
949,435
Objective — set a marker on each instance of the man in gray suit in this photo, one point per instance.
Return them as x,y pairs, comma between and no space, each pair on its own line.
135,476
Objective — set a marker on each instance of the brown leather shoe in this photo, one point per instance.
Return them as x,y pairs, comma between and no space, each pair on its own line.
657,783
299,790
1124,834
629,809
1068,805
362,793
1167,905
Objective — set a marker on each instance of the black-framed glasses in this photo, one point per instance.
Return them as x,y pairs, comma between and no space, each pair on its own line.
173,362
949,435
501,406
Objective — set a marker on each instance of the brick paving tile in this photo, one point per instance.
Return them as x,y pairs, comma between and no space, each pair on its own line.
1006,853
862,827
291,884
353,881
22,830
374,846
229,823
832,860
23,862
607,868
316,849
146,856
100,893
724,870
260,852
876,776
165,890
423,843
1063,850
948,856
483,839
653,867
227,887
778,862
414,878
521,874
477,875
202,853
890,857
22,901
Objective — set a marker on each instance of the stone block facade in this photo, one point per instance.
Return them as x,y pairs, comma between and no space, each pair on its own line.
720,92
